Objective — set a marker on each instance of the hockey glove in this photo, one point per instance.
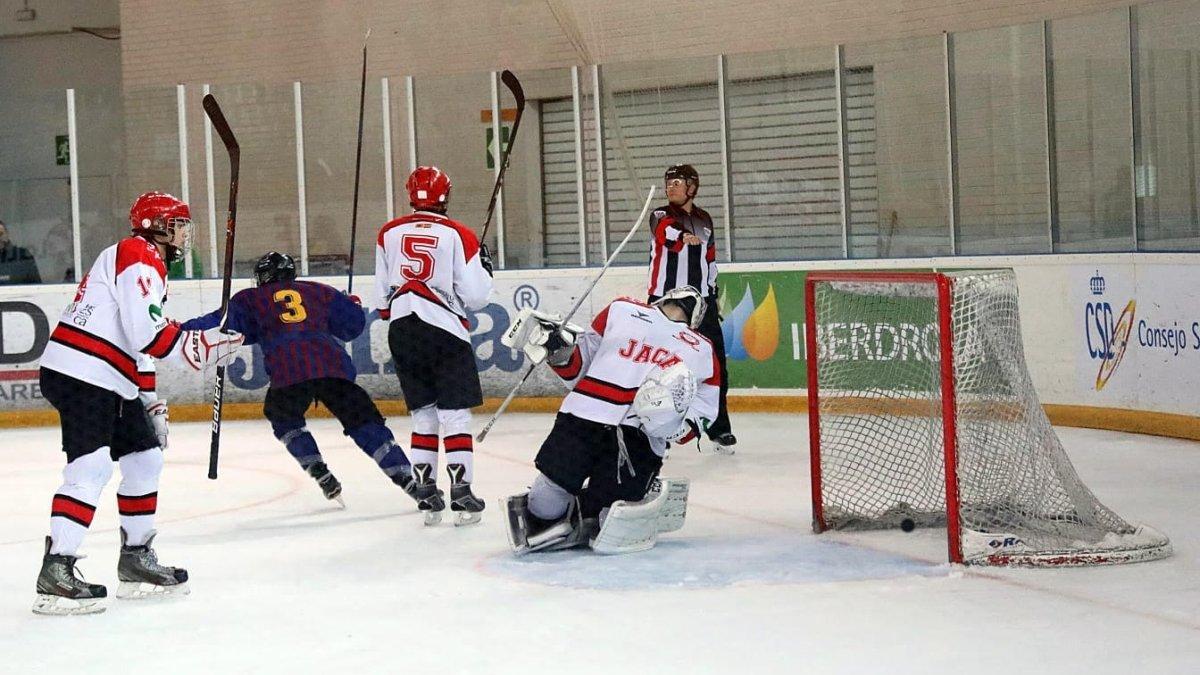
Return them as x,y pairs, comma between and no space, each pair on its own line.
485,258
210,347
661,403
159,415
541,336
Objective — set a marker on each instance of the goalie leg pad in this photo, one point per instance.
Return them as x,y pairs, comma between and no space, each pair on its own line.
634,526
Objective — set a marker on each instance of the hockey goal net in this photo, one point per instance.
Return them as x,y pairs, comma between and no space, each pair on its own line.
921,409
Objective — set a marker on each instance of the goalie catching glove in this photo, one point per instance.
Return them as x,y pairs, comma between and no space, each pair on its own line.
543,337
662,402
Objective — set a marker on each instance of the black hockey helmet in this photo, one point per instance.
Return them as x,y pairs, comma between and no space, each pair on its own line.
274,267
687,173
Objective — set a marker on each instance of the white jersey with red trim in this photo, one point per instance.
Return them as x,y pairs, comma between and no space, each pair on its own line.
428,265
114,328
624,344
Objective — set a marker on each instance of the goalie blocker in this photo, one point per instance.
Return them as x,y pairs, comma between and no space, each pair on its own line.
641,378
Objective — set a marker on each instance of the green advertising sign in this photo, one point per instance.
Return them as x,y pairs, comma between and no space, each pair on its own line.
763,326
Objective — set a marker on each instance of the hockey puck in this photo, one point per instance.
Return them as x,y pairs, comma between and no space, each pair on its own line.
908,525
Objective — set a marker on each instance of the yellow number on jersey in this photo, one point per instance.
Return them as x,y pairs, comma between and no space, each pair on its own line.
293,303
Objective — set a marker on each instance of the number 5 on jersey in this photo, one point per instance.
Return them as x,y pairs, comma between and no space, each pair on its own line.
293,306
418,248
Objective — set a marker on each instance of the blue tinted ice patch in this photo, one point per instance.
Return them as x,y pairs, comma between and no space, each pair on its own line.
711,562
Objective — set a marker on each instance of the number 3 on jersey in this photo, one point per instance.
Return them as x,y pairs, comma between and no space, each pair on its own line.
418,248
293,306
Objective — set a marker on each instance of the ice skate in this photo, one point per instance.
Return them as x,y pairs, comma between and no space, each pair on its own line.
327,482
60,592
142,576
724,444
430,500
465,505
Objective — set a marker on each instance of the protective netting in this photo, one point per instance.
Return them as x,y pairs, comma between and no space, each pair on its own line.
880,416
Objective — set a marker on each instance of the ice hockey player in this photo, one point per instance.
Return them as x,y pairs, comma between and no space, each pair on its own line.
430,272
301,327
641,377
683,252
98,372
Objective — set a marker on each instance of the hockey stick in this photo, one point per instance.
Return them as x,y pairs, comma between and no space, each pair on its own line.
514,85
231,146
362,103
578,303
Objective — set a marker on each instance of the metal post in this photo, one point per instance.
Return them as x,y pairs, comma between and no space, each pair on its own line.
726,169
843,136
497,153
601,188
1135,122
410,100
951,140
73,149
184,192
297,101
212,193
388,179
580,181
1051,142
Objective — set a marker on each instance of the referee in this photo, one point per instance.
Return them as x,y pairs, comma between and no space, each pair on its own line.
683,252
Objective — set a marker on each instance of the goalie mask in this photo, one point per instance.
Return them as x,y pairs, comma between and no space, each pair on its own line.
689,300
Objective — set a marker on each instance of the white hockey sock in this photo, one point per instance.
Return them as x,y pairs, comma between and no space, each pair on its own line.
456,438
137,495
75,501
424,442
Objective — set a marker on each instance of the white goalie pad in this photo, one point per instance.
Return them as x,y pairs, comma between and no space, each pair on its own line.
635,526
534,332
565,533
662,402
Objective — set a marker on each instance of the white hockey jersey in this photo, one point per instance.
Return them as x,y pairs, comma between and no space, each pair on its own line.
428,265
115,326
625,342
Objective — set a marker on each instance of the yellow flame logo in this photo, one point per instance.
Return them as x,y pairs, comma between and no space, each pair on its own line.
760,336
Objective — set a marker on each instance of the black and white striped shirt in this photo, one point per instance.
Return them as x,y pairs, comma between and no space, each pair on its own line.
674,263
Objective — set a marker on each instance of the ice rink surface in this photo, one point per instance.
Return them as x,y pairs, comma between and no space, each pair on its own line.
283,582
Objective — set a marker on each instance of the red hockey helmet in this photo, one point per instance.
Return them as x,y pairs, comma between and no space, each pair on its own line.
428,188
163,219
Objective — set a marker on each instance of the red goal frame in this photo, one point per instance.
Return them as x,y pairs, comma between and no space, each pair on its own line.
943,284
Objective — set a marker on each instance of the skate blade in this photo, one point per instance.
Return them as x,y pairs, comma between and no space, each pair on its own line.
727,450
340,502
466,518
140,590
56,605
432,518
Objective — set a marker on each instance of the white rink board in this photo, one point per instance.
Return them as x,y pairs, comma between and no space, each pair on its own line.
1059,313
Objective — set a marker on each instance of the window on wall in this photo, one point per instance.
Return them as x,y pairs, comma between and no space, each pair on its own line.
560,206
784,165
1000,108
1168,185
1093,139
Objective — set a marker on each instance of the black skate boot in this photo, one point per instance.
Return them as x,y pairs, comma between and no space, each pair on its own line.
142,576
463,502
327,482
405,480
61,592
430,500
724,444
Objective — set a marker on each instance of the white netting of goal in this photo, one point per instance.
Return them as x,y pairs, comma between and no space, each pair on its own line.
880,446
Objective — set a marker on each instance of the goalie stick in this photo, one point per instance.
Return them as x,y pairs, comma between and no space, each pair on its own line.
514,86
578,303
362,102
213,110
